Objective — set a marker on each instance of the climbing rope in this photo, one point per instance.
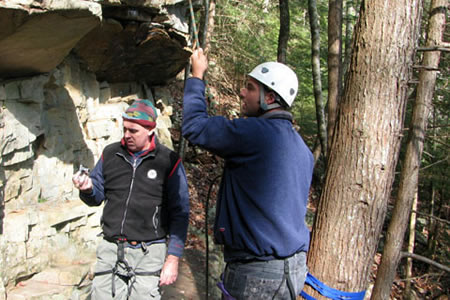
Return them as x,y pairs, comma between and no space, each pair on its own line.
194,27
196,42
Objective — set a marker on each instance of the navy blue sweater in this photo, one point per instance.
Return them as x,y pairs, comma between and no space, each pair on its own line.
264,190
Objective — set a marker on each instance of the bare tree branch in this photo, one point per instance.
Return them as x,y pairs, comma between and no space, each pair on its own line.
426,260
434,48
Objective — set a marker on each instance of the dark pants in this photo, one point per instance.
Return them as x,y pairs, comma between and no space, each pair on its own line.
265,279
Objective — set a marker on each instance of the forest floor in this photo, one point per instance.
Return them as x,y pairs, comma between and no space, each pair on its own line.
190,284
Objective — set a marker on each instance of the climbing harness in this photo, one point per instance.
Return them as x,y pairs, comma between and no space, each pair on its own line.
310,279
329,292
287,278
129,273
221,286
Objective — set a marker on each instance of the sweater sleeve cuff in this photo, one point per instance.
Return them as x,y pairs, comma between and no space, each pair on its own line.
196,79
176,251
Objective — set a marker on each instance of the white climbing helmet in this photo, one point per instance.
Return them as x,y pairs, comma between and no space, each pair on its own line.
278,77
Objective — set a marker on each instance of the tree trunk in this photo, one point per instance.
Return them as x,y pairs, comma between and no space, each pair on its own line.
412,239
365,146
317,82
334,61
410,172
283,37
209,28
432,224
350,15
2,208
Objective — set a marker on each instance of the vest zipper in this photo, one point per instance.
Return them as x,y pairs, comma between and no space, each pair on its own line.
128,198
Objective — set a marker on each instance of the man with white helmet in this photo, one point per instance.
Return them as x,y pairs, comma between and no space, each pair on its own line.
260,216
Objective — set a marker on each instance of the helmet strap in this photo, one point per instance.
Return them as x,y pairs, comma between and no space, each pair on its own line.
262,100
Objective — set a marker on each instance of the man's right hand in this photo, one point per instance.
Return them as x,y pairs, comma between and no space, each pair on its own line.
199,63
82,182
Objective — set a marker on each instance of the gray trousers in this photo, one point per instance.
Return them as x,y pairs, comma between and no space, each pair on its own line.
134,288
257,280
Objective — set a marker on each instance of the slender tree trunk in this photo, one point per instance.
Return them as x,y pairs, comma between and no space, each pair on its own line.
433,229
283,36
350,15
431,241
317,82
365,146
410,172
411,242
334,61
2,207
209,29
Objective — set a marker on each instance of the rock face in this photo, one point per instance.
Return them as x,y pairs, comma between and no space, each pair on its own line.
129,45
68,69
141,41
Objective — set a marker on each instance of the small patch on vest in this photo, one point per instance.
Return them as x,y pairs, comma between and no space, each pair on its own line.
222,229
152,174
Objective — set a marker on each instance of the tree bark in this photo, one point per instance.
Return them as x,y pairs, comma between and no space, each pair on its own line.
410,172
2,208
350,11
432,224
334,61
411,242
317,81
283,36
365,146
210,5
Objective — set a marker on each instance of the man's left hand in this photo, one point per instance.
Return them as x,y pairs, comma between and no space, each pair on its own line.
169,272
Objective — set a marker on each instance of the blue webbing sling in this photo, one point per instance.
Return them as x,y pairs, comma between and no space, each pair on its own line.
329,292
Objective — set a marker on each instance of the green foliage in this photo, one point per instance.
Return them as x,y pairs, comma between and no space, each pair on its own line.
246,34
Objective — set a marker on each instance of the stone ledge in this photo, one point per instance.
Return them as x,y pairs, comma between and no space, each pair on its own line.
47,234
54,283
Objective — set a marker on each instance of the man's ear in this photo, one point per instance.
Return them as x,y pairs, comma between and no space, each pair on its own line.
270,97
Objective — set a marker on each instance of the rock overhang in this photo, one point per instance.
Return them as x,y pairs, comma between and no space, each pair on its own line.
119,41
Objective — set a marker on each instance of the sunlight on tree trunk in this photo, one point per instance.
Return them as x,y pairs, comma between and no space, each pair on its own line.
365,146
410,172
